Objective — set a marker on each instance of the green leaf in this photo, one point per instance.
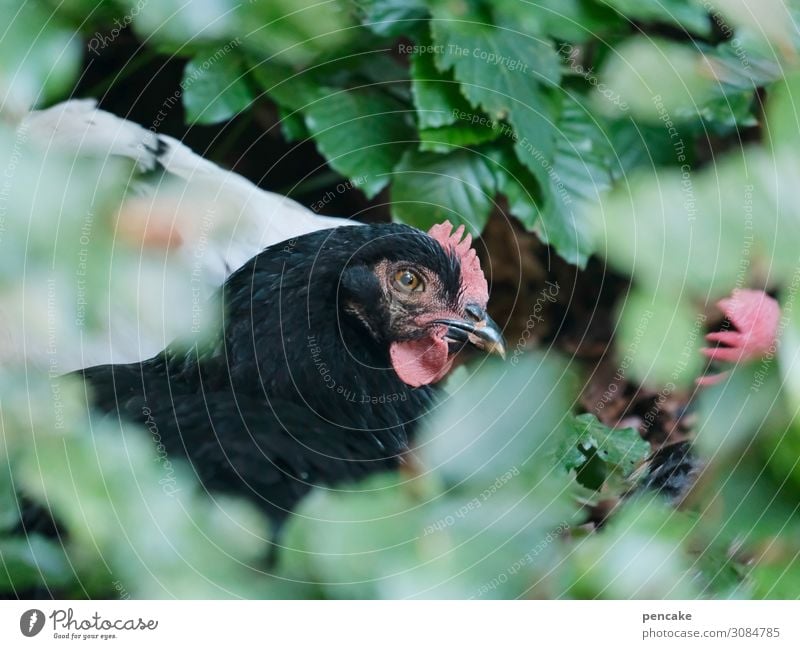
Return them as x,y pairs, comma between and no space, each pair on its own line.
580,173
505,73
733,411
349,539
290,89
437,96
638,145
682,230
638,555
391,17
297,32
39,58
214,87
691,14
430,188
777,577
449,138
621,449
9,504
573,21
362,133
671,80
517,184
176,24
783,114
292,124
504,416
659,339
32,561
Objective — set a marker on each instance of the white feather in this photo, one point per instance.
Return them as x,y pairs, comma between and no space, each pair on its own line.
220,220
262,218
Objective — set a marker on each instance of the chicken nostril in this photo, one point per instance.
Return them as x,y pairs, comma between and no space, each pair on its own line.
474,311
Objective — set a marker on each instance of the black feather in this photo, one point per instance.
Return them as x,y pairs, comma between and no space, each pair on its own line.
292,391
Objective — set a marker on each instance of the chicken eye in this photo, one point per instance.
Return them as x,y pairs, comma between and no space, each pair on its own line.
408,280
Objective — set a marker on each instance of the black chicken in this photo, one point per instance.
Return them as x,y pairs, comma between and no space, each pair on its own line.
323,364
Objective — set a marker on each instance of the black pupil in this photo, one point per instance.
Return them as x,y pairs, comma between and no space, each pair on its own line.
407,278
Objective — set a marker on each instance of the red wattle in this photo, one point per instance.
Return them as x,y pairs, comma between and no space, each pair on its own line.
420,362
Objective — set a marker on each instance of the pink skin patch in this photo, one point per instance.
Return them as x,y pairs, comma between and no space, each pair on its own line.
426,361
756,316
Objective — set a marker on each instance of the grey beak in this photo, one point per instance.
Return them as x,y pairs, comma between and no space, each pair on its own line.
478,330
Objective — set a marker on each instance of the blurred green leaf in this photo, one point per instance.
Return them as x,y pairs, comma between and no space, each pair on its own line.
175,24
565,20
9,504
657,79
637,556
39,57
505,416
777,577
391,17
32,561
732,412
659,339
296,31
783,114
691,14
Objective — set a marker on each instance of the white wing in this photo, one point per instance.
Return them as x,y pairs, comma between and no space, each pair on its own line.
228,215
212,220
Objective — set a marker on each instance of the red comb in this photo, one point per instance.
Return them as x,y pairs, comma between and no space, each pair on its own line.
755,316
472,278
